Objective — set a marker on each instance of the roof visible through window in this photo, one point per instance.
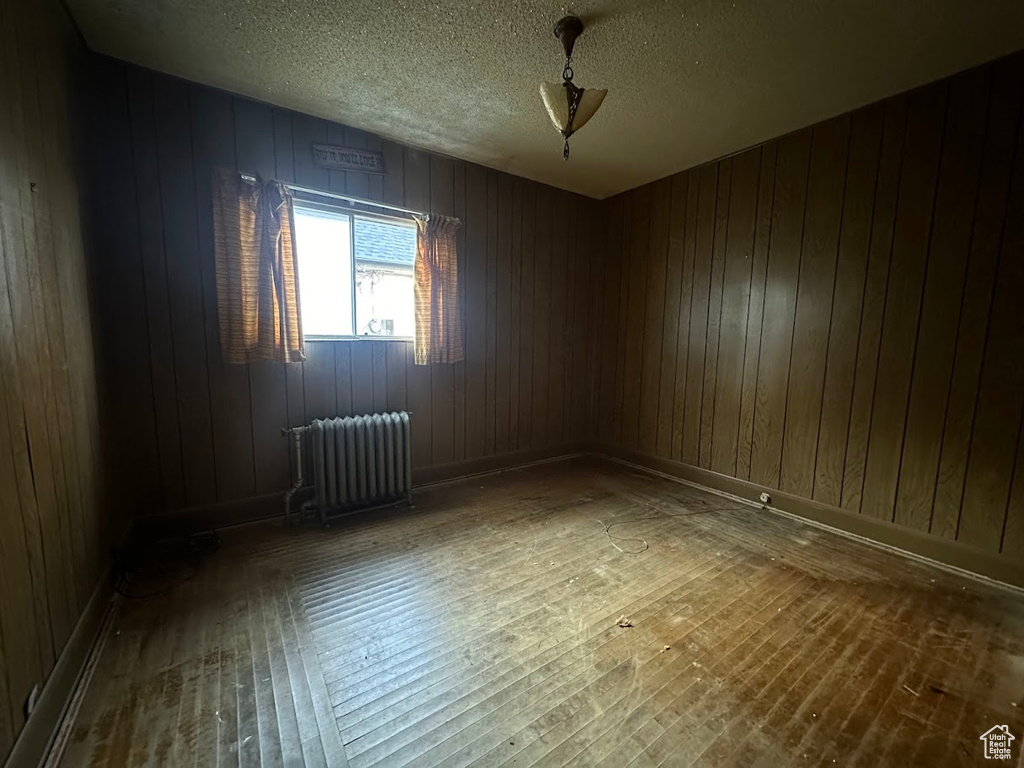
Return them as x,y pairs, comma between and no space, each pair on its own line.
384,243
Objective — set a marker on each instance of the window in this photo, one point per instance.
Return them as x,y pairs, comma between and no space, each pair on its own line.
355,272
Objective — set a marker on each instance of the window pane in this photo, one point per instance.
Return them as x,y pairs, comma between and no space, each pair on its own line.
385,252
323,246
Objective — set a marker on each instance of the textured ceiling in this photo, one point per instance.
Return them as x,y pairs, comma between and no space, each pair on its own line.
687,81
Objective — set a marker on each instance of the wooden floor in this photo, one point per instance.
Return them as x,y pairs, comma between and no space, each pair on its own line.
483,628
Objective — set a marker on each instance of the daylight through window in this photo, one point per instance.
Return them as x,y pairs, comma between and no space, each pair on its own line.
355,272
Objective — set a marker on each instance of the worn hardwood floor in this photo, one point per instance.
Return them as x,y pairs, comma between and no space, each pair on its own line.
482,627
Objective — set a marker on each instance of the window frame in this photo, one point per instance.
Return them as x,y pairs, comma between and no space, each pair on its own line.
352,213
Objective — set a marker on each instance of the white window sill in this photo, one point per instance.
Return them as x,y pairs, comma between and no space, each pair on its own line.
368,337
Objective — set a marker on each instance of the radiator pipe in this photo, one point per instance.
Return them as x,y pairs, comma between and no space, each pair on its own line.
296,434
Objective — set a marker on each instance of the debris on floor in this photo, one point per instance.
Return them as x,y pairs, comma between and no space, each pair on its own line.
624,622
666,648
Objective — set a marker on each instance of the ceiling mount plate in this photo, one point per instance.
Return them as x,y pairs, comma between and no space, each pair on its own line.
567,29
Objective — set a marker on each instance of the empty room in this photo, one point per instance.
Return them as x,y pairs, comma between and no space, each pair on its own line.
511,383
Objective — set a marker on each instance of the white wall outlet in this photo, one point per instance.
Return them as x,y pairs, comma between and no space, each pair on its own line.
766,498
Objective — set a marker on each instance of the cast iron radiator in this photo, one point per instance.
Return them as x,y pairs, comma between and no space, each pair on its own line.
360,461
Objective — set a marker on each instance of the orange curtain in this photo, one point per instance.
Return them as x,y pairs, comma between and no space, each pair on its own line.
257,272
438,316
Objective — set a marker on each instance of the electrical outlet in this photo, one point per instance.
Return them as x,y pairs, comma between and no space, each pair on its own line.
766,498
33,699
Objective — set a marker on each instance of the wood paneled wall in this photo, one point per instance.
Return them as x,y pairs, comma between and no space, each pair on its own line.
837,313
54,530
194,431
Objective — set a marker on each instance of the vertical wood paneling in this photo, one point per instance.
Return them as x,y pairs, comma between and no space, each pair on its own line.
144,160
442,377
676,214
626,260
640,257
417,197
779,308
44,301
476,332
378,353
319,392
989,213
997,420
576,280
704,208
560,227
503,316
256,148
847,299
583,277
883,218
25,622
755,314
541,311
818,252
396,354
356,359
122,296
186,287
632,285
577,286
62,129
215,134
654,313
526,310
24,616
1013,529
688,188
943,288
284,163
739,248
343,377
515,311
903,299
55,522
835,315
490,317
459,368
611,230
713,336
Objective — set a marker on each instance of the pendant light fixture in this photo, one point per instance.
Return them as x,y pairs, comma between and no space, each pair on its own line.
569,107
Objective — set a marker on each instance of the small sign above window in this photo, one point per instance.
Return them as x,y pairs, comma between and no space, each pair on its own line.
348,159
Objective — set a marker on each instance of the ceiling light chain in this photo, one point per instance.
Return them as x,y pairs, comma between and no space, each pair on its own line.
569,106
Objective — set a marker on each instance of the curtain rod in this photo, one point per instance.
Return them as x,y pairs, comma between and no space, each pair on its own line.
346,198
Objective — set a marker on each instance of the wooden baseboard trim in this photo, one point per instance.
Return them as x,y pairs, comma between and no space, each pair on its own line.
41,729
459,470
943,553
207,517
250,510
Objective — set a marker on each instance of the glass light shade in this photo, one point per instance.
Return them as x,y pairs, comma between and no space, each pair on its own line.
557,105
